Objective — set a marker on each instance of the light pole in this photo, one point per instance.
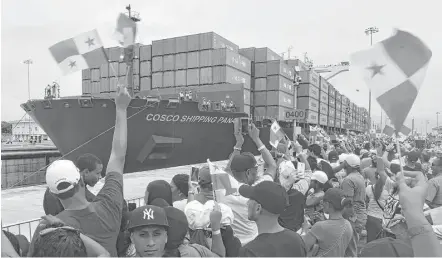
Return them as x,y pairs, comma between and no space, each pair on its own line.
370,31
28,62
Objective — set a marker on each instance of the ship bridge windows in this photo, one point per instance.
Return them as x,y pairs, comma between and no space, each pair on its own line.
173,103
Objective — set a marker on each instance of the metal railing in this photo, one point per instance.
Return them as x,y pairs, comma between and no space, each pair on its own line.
27,228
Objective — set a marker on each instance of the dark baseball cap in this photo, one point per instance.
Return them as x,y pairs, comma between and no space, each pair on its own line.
336,198
204,176
271,196
148,215
387,247
243,162
413,156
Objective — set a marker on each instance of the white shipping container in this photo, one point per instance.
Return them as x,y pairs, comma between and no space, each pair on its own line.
261,84
323,119
231,58
226,74
308,103
279,98
181,44
169,63
193,77
260,70
169,46
104,70
323,97
277,82
180,78
331,112
211,40
113,82
193,42
312,117
145,83
323,108
104,85
338,106
86,87
331,102
308,90
247,97
157,80
193,60
278,67
205,58
169,79
248,53
136,66
181,61
157,48
136,82
146,53
122,70
145,68
331,122
86,74
113,69
157,64
206,75
95,75
95,87
309,77
265,54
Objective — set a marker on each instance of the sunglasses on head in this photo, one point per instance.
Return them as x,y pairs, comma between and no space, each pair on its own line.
49,230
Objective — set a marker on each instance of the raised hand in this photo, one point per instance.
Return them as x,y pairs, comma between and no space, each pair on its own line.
123,98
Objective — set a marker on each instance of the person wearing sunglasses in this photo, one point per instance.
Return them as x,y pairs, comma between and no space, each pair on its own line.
434,196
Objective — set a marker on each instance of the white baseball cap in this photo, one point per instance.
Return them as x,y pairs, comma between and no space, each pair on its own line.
62,171
353,160
319,176
342,157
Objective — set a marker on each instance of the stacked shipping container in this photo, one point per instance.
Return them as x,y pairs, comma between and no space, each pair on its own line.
201,60
272,84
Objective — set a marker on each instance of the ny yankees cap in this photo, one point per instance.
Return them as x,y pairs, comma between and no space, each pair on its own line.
147,215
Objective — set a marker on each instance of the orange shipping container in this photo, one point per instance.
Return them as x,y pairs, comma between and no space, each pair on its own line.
157,48
113,81
193,60
309,77
331,122
104,85
323,108
180,78
206,76
181,61
169,46
193,42
193,77
95,87
145,68
332,113
279,98
277,82
265,54
211,40
323,120
278,67
181,44
307,90
145,83
169,63
169,79
261,84
157,80
308,103
146,53
95,75
157,64
104,70
232,59
323,97
86,74
226,74
312,117
205,57
331,102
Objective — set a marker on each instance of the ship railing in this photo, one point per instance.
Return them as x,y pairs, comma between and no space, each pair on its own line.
28,227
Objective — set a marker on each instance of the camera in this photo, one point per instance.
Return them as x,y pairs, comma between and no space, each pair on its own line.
245,123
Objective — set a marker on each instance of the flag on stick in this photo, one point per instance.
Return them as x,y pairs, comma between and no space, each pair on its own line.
276,134
78,53
388,130
126,30
405,130
394,70
222,181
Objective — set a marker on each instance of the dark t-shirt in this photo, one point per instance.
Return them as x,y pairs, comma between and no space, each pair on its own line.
102,218
282,244
52,205
293,215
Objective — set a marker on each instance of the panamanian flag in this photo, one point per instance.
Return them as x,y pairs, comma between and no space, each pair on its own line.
276,134
394,69
78,53
125,31
222,181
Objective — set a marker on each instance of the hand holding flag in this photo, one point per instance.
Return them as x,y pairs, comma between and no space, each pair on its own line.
126,30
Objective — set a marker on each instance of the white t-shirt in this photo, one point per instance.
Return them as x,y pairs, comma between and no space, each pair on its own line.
243,228
373,208
180,205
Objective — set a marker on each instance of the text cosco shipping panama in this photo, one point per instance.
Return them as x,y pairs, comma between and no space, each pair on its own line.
189,119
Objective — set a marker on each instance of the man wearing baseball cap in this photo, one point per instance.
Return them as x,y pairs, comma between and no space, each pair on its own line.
267,200
101,219
411,161
244,169
148,227
353,187
205,184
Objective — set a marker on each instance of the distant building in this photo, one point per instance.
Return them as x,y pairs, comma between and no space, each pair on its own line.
438,129
27,130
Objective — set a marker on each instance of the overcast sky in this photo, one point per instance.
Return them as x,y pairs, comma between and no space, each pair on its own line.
328,30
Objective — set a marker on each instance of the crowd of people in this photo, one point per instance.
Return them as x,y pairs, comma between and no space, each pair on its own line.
302,199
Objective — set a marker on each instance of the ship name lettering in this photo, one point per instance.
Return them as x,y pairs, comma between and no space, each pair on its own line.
188,119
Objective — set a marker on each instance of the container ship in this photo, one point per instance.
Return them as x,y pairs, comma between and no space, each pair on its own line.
187,92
